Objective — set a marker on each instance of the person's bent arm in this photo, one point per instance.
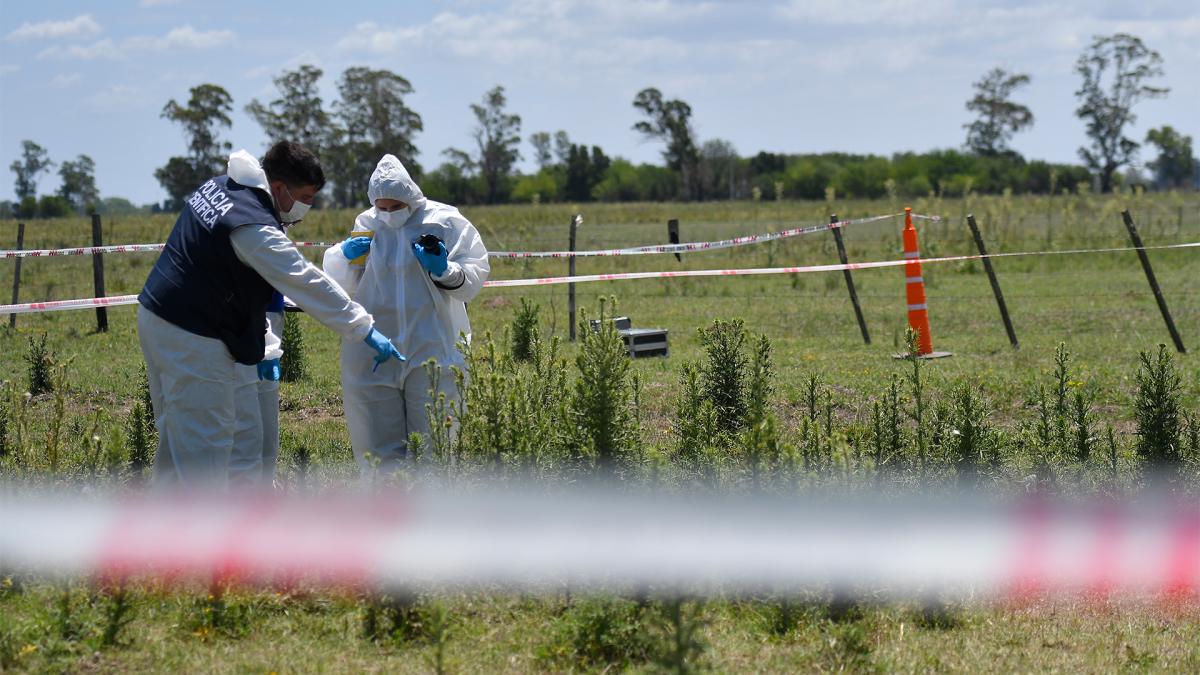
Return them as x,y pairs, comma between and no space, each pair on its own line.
268,251
338,268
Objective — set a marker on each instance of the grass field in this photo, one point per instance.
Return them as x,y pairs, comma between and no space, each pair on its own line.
1098,304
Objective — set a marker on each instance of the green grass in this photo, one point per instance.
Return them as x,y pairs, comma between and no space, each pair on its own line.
1098,304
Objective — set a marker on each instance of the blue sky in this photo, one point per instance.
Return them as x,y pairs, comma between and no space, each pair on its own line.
785,75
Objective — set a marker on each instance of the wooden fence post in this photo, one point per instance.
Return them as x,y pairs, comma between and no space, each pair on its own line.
841,247
12,318
991,273
673,235
1158,296
98,273
575,221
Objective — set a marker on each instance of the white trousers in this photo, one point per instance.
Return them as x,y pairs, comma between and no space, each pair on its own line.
191,389
256,431
382,415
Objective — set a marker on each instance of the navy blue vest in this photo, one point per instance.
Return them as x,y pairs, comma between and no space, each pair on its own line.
198,283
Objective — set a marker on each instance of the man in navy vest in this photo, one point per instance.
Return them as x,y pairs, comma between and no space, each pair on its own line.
203,308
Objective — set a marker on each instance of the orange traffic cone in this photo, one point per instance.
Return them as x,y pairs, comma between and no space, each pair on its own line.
918,310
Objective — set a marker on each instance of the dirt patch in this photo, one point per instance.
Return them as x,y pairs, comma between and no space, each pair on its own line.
497,302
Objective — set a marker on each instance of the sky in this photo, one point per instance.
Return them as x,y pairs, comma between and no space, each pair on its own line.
791,76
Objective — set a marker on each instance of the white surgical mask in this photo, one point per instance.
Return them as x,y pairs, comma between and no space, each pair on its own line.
296,213
393,218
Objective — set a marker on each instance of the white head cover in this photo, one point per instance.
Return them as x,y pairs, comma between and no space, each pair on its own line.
391,181
244,168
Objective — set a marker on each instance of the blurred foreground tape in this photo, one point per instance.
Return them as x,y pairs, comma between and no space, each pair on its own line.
896,548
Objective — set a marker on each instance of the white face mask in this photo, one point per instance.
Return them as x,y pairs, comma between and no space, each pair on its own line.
393,218
296,213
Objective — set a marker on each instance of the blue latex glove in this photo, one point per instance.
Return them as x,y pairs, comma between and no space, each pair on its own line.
433,263
269,370
355,246
380,343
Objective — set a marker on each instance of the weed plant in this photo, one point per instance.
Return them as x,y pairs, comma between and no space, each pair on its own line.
293,365
1157,414
524,332
39,361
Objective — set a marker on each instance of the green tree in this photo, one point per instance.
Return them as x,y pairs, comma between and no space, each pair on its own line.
584,172
718,169
34,160
206,112
79,183
542,154
373,120
1115,70
1175,166
669,121
451,183
53,206
497,140
298,114
998,117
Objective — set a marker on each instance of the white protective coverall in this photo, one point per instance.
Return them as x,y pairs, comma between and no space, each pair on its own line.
427,316
192,378
256,432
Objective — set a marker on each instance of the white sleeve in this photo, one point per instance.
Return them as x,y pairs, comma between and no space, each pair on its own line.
338,268
268,251
274,336
468,265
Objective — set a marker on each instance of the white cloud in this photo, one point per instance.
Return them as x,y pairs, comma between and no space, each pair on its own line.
103,49
870,12
184,37
157,3
66,81
81,26
8,69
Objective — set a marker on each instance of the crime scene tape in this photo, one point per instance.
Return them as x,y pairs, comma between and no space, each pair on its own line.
116,248
636,250
695,246
967,547
86,303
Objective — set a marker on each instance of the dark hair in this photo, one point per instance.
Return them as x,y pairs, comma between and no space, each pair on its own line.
293,164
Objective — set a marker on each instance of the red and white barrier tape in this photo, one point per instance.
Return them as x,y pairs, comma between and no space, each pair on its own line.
85,303
116,248
636,250
694,246
599,540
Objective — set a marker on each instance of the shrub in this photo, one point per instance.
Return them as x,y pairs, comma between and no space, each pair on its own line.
141,435
138,440
970,440
512,415
524,331
723,372
1157,413
600,633
293,364
604,401
40,362
695,426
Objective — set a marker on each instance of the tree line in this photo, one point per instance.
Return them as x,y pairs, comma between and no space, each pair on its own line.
370,117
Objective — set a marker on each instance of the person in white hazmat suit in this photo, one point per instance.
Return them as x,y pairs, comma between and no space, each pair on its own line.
418,293
203,307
